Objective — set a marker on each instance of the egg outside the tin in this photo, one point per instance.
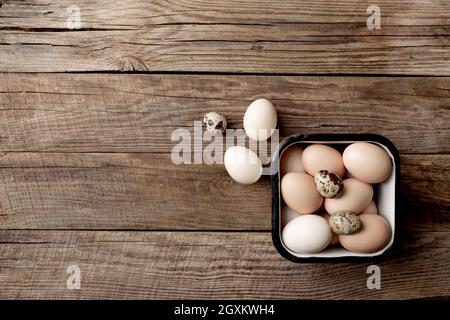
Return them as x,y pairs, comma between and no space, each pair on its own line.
242,164
260,120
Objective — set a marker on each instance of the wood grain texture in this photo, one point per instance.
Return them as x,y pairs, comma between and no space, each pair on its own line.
149,192
138,113
233,36
205,265
85,156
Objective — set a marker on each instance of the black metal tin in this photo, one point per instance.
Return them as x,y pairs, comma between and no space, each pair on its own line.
345,139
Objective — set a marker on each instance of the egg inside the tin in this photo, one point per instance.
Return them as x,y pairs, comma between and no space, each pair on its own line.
335,237
308,233
291,160
355,197
367,162
373,236
299,192
318,157
371,208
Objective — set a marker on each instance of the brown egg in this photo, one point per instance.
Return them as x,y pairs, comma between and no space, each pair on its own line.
335,237
299,192
371,208
373,236
367,162
291,160
321,157
356,197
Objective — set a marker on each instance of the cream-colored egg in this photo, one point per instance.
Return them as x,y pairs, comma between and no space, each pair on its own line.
291,160
373,236
371,208
335,237
367,162
308,233
322,157
260,120
299,192
243,164
356,197
287,214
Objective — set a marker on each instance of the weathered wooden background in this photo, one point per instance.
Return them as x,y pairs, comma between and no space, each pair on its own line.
86,117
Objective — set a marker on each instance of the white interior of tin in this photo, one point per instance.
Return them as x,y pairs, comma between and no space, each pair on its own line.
385,202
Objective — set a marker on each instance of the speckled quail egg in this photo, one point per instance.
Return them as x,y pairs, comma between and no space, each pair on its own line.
215,122
344,222
329,184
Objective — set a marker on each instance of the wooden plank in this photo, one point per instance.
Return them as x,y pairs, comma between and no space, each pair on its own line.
238,36
202,265
425,192
409,17
125,191
138,113
149,192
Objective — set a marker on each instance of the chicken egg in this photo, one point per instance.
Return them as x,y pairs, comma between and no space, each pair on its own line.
299,192
260,120
291,160
355,197
242,164
322,157
308,233
374,235
367,162
371,208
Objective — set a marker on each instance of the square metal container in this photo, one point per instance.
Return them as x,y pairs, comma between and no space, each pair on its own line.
387,195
